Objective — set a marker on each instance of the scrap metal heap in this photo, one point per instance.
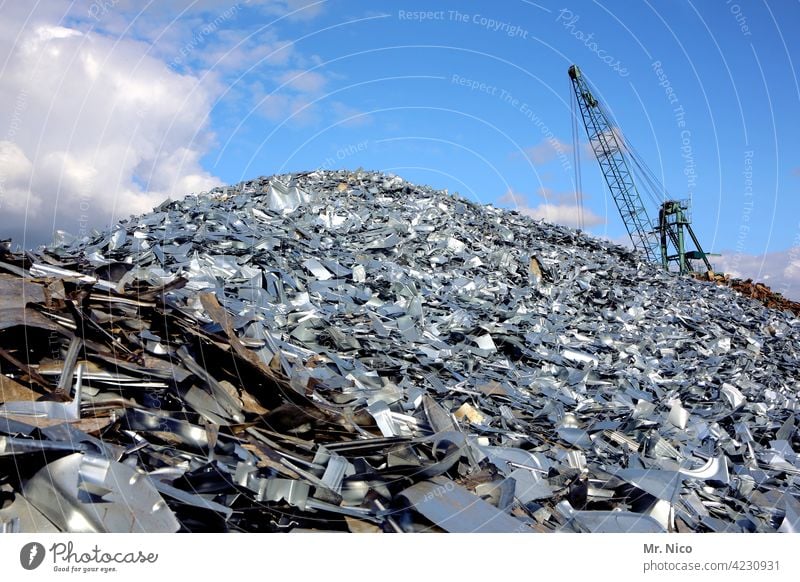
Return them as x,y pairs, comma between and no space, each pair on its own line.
755,290
347,351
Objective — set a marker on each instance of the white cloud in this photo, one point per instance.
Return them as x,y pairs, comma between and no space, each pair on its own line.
294,9
303,81
562,212
295,109
552,197
155,20
234,51
92,129
225,35
104,105
566,214
549,150
623,240
779,270
228,42
610,139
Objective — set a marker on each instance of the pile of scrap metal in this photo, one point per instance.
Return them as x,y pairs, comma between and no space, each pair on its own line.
758,291
346,351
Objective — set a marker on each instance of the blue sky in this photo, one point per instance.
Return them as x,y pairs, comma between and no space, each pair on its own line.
110,106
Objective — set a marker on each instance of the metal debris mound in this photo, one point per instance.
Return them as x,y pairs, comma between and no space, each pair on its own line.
346,351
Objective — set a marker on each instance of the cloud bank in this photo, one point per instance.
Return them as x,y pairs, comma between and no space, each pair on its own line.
92,128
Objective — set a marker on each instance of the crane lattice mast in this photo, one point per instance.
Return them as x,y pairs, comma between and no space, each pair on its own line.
609,153
662,243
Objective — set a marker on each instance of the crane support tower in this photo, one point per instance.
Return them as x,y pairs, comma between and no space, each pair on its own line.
664,243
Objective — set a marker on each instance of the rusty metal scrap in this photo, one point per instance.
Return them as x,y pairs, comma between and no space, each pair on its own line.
758,291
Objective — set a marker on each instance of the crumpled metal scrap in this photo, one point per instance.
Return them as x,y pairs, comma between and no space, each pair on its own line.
346,351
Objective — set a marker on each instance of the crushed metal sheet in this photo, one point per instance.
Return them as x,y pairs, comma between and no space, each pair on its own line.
455,509
84,493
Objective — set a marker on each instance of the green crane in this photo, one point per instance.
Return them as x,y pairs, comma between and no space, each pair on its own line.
663,243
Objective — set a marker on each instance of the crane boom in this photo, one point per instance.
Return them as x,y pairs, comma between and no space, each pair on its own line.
609,153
